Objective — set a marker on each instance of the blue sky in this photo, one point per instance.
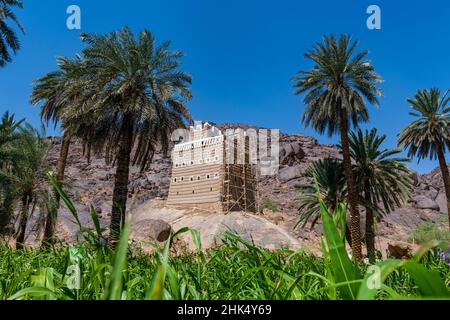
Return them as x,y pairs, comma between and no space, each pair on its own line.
242,54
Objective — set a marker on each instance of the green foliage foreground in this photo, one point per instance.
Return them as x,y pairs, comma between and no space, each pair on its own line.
230,272
235,270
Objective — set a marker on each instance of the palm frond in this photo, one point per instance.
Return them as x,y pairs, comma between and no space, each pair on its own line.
340,79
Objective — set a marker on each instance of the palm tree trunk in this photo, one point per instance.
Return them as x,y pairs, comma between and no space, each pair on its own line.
88,156
445,176
51,218
370,224
62,161
20,240
50,224
355,228
348,235
121,180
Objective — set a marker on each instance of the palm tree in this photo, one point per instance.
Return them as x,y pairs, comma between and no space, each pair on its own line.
382,179
55,92
134,91
28,176
328,175
23,159
337,88
8,157
8,38
429,134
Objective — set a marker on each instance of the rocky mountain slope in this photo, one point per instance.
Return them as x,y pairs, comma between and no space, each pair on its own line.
92,183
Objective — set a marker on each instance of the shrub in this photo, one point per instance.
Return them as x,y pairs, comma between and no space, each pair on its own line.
428,231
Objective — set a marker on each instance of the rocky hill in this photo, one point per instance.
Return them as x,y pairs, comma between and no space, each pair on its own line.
92,183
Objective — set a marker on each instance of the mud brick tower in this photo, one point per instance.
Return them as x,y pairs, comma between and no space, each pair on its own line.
213,171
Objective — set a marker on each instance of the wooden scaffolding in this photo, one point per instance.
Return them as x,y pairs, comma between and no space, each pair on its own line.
240,188
240,184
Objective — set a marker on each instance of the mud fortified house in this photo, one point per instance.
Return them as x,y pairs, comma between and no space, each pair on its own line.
214,171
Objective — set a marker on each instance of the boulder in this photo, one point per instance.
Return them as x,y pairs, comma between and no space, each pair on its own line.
406,218
152,229
399,250
291,153
290,173
441,200
212,226
422,202
415,178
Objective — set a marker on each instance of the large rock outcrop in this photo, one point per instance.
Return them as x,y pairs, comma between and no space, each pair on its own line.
431,186
212,226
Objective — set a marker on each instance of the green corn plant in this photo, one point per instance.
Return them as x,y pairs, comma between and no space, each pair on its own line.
347,275
115,290
345,272
235,270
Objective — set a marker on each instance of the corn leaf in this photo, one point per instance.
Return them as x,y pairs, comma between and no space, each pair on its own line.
429,282
120,263
344,270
